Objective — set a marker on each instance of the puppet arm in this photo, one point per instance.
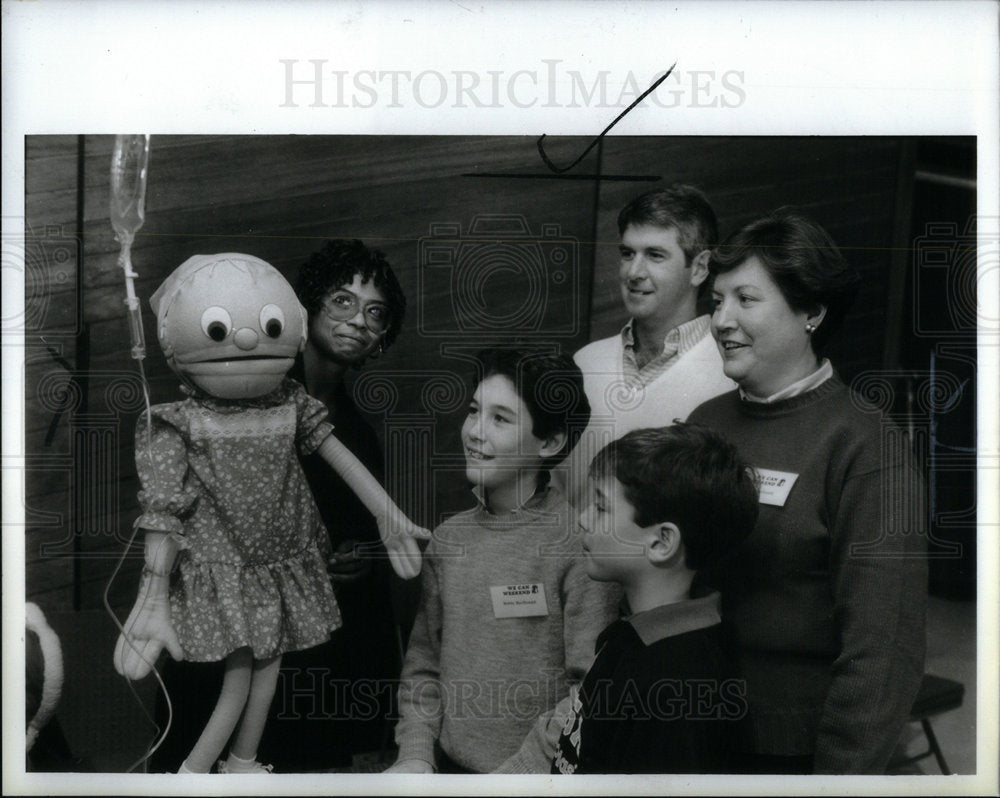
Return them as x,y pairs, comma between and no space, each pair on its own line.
148,629
398,532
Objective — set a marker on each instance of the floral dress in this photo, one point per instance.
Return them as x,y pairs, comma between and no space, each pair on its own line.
223,477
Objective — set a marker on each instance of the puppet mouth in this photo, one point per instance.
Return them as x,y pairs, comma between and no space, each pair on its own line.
237,377
241,359
251,364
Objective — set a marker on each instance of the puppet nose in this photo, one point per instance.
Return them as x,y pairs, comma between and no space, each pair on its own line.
245,338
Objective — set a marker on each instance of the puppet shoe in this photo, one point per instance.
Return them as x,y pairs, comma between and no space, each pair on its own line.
252,767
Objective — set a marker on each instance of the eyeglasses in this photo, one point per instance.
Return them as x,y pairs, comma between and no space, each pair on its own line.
342,305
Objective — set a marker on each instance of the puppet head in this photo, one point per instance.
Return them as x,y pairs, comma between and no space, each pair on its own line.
229,324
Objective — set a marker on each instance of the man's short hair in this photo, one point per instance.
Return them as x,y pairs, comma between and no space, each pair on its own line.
335,265
550,385
684,208
688,475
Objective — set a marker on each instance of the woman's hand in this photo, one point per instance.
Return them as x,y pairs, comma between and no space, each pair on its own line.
411,766
148,631
347,565
399,535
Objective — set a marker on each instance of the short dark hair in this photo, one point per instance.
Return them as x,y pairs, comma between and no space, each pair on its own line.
682,207
335,265
803,261
550,385
691,476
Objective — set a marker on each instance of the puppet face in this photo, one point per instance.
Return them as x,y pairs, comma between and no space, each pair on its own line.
230,324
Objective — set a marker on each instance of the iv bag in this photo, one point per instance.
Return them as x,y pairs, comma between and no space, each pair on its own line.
128,185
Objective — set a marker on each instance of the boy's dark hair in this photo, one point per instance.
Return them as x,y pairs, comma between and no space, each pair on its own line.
684,208
550,385
691,476
336,264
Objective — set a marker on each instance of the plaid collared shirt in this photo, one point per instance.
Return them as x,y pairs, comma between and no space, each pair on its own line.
678,341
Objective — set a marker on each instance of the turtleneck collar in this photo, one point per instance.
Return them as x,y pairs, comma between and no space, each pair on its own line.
792,403
807,383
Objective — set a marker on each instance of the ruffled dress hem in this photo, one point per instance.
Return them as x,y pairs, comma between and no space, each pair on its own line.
274,608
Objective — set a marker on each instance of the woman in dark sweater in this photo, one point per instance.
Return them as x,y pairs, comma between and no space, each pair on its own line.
828,594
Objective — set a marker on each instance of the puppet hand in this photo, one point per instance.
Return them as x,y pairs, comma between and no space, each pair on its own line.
400,538
147,632
411,766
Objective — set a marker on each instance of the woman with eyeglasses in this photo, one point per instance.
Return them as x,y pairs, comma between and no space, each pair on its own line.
332,701
355,307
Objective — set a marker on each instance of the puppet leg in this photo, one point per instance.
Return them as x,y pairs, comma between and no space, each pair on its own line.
243,753
232,700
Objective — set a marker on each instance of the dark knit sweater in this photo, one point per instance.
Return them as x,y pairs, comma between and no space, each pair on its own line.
828,594
661,696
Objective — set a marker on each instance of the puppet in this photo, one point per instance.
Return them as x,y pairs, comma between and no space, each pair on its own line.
225,500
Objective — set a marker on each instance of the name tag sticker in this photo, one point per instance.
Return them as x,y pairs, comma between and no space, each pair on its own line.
518,601
775,486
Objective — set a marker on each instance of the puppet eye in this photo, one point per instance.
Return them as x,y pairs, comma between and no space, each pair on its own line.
272,320
216,323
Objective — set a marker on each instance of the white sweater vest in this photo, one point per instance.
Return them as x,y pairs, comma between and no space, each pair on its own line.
616,409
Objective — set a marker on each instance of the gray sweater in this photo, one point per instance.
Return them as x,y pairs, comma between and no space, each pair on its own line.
476,682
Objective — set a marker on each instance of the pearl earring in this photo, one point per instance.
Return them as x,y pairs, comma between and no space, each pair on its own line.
810,329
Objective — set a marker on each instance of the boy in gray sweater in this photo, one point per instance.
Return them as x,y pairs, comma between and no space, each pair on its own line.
508,616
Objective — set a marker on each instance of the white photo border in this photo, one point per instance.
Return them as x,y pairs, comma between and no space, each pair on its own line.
818,68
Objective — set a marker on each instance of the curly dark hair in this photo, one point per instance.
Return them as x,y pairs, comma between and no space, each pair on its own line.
691,476
803,261
336,264
550,385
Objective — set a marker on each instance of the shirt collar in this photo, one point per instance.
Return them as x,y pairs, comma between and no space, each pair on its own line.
669,620
628,340
814,380
685,335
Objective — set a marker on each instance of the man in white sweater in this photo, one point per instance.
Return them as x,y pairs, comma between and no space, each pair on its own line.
660,367
664,362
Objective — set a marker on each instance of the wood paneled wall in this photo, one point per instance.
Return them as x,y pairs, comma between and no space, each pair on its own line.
539,247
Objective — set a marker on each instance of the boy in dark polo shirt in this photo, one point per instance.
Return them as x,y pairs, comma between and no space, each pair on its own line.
661,696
